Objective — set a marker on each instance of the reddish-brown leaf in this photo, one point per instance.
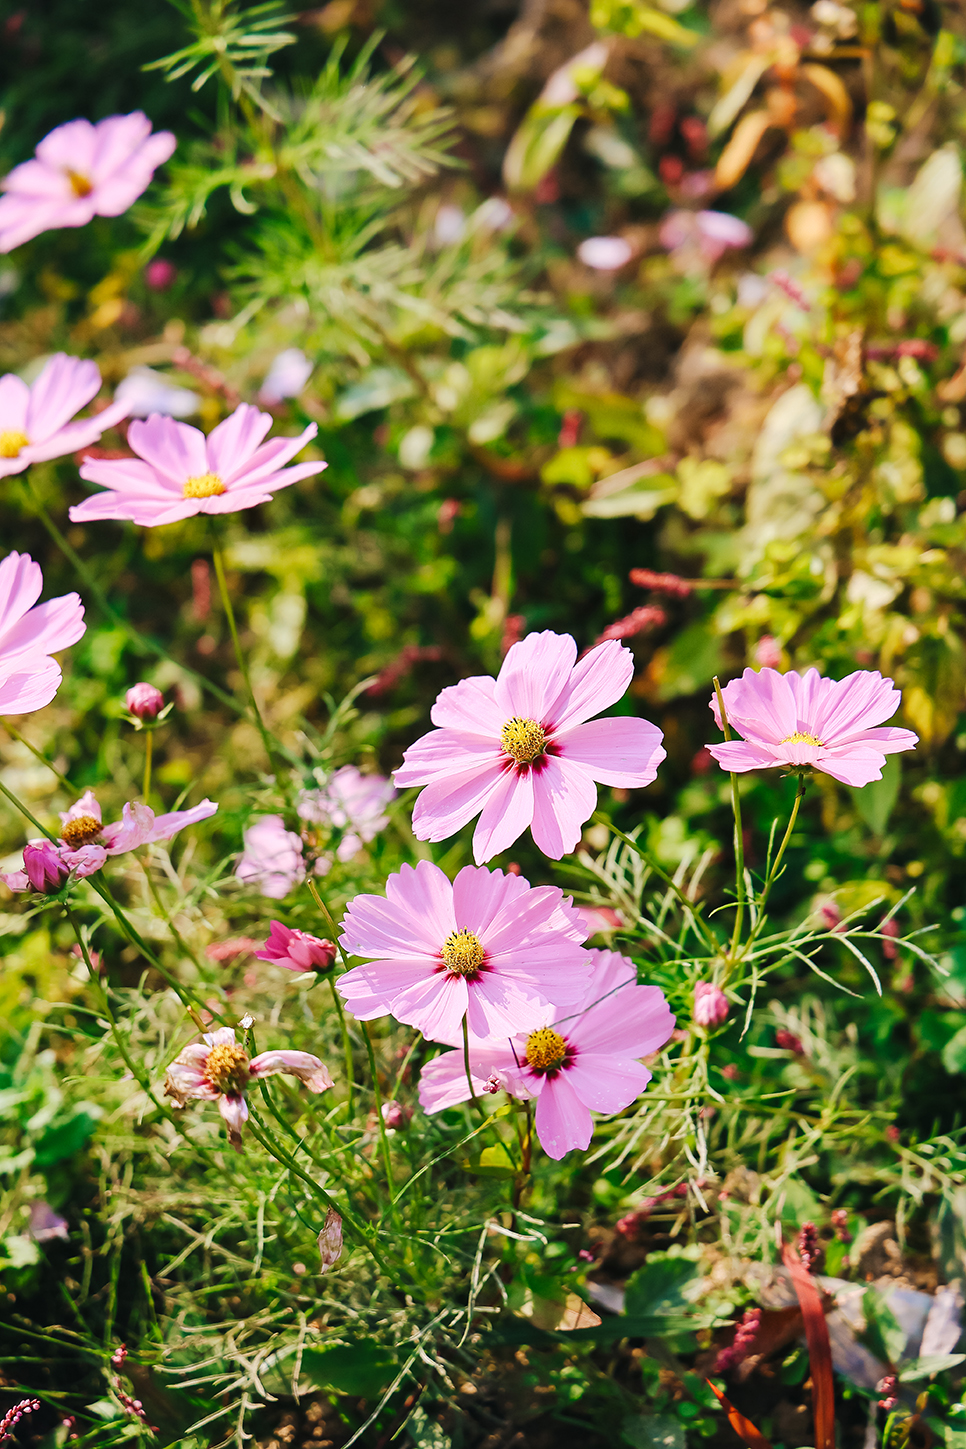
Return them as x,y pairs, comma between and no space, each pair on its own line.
819,1348
743,1427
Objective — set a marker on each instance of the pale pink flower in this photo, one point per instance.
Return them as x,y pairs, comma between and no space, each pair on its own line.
218,1069
605,253
30,633
179,472
352,802
797,720
709,233
35,422
296,950
86,843
81,171
710,1004
272,857
487,947
524,750
573,1065
599,918
768,652
144,700
286,377
395,1115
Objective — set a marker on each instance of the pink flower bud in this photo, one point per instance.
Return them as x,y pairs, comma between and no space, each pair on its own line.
159,274
789,1042
768,653
297,950
144,701
395,1115
710,1004
44,867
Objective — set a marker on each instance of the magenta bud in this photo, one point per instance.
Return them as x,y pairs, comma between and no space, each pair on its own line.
44,867
297,950
394,1114
159,274
710,1004
144,701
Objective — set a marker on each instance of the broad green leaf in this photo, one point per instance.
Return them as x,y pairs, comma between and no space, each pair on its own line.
875,802
933,1363
664,1285
360,1369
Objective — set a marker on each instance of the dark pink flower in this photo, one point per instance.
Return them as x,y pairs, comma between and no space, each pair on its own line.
522,749
30,633
179,472
710,1004
487,947
796,720
144,701
297,950
43,866
737,1351
394,1115
35,421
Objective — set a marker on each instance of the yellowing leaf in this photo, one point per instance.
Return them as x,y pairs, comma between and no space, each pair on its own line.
736,156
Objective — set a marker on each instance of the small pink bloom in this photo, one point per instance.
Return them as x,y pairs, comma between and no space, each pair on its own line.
351,802
599,918
144,701
394,1115
671,584
768,652
710,1004
810,1249
522,749
744,1339
218,1069
709,233
159,274
272,857
81,171
798,720
30,633
486,947
178,472
86,843
648,616
888,1387
840,1225
605,253
731,1072
296,950
830,914
228,950
35,422
585,1061
789,1042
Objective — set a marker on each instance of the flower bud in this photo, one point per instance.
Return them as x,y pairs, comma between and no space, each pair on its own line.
395,1115
44,867
710,1004
297,950
330,1240
768,652
144,701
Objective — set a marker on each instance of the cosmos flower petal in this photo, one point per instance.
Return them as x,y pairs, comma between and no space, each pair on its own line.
425,894
562,1121
313,1073
65,385
563,798
534,674
625,751
739,756
470,707
606,1083
435,1006
444,753
505,816
234,1111
232,442
598,681
498,1009
631,1021
480,898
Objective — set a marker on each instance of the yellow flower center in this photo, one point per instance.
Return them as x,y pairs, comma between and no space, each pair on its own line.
203,485
80,184
546,1049
82,831
463,953
11,442
523,740
227,1068
799,739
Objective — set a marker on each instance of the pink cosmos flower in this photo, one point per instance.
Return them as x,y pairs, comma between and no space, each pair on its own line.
486,947
144,701
523,749
179,472
30,633
599,918
795,720
572,1065
272,857
81,171
296,950
86,842
218,1069
352,802
35,422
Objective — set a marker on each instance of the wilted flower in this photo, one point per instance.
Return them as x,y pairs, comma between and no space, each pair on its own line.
710,1004
35,421
218,1069
179,472
395,1115
286,377
86,844
795,720
272,857
523,750
485,946
352,802
586,1062
81,171
145,391
330,1240
144,701
605,253
297,950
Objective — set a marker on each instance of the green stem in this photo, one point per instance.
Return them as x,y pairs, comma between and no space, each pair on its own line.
380,1123
466,1067
346,1042
739,833
773,873
267,740
653,866
148,744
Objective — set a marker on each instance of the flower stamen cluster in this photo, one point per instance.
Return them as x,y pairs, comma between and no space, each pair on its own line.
546,1050
228,1068
523,740
203,485
82,831
463,953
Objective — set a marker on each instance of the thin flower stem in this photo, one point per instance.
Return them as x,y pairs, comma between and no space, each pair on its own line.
661,874
219,563
380,1121
739,833
346,1042
773,873
466,1067
148,747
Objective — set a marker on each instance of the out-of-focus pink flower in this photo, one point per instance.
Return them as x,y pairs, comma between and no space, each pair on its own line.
892,1132
144,701
709,233
86,843
514,628
797,720
218,1069
228,950
486,947
840,1225
159,274
671,584
810,1249
888,1387
330,1241
710,1004
286,377
570,425
737,1351
522,749
789,1042
35,422
297,950
587,1061
45,1225
394,672
179,472
394,1115
768,652
448,512
890,929
790,287
605,253
145,391
30,633
351,802
830,915
648,616
731,1072
702,761
598,918
271,858
80,171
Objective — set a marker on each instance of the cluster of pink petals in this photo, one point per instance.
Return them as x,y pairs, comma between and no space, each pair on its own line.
80,171
203,1069
30,633
530,941
271,857
296,950
178,472
710,232
351,802
83,855
544,689
35,421
798,720
614,1024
